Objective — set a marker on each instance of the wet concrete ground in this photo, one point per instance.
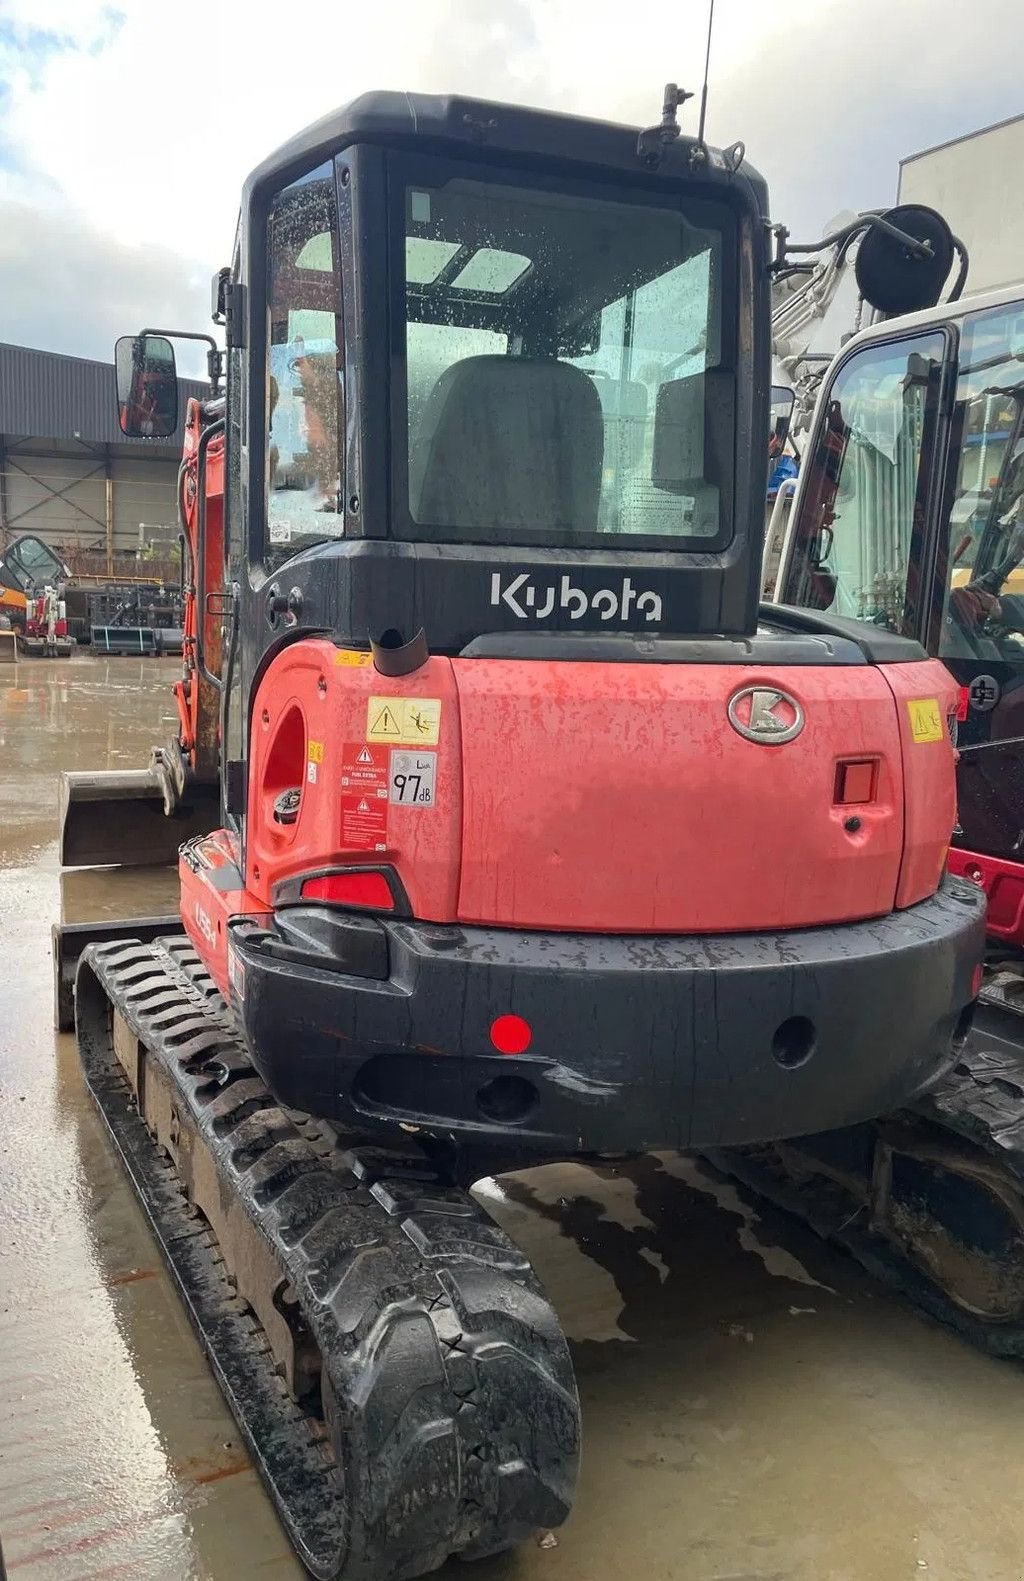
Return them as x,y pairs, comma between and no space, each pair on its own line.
755,1409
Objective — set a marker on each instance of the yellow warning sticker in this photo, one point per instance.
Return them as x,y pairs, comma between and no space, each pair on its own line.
352,656
925,719
404,721
315,752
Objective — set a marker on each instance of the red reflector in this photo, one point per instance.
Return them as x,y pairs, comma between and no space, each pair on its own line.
977,980
511,1035
963,704
855,782
351,889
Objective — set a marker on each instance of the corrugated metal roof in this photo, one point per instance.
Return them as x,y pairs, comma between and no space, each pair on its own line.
44,395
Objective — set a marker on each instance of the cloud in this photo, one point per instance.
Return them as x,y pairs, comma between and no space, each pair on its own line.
125,136
829,114
66,286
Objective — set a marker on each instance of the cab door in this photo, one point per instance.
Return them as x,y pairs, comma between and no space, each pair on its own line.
977,619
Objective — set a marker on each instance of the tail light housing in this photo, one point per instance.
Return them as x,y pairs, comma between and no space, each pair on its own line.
355,888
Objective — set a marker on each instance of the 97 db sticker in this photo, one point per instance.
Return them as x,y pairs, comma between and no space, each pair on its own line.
925,719
412,780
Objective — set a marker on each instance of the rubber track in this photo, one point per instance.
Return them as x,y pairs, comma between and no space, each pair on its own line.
981,1100
450,1390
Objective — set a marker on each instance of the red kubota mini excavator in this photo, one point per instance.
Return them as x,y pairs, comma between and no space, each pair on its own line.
536,841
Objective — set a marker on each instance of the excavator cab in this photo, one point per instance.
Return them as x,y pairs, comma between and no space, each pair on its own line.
490,650
507,341
910,518
537,838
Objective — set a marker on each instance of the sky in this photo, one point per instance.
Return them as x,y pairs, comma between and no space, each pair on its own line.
125,137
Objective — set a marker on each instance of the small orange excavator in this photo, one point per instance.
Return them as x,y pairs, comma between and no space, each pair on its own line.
31,582
528,835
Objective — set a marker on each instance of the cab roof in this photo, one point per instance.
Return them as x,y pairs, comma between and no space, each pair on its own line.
942,313
489,130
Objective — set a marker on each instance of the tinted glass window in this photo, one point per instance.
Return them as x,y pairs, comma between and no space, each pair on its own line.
33,563
564,367
983,615
305,367
862,507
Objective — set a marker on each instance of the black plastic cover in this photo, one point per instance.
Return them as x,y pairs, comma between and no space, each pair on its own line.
637,1042
769,645
877,645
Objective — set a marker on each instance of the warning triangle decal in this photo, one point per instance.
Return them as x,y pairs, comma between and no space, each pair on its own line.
385,724
366,756
364,805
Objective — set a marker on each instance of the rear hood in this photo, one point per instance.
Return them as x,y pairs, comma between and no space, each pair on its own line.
619,798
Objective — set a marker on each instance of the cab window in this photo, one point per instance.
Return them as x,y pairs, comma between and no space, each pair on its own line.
305,367
983,616
570,371
859,535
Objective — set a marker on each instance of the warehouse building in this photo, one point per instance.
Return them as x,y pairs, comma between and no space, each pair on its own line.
69,475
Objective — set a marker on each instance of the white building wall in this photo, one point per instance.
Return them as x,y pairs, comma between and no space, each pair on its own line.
976,183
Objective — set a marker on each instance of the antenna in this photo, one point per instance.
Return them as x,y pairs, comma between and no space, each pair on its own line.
704,89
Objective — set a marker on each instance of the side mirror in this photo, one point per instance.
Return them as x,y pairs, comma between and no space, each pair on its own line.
147,386
889,277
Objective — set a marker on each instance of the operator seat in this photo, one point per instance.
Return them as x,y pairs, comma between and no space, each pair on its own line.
508,443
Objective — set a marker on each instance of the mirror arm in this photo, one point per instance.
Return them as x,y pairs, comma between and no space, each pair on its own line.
214,356
785,247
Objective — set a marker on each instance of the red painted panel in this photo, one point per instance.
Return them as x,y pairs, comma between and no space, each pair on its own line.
1003,883
348,809
610,798
929,772
618,798
207,900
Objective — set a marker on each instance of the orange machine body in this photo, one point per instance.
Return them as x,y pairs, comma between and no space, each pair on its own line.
582,798
202,639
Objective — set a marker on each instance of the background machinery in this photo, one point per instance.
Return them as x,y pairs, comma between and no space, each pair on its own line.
909,518
32,582
501,770
816,306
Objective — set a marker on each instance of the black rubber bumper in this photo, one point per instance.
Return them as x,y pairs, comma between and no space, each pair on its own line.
636,1042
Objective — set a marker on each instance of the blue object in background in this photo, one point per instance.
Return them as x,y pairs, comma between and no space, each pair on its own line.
785,467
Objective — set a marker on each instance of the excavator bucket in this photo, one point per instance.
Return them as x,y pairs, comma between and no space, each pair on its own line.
120,818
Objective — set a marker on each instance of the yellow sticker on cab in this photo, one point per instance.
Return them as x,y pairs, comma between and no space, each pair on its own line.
404,721
352,656
925,719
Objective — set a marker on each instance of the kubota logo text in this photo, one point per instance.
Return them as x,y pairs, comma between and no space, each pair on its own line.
525,600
